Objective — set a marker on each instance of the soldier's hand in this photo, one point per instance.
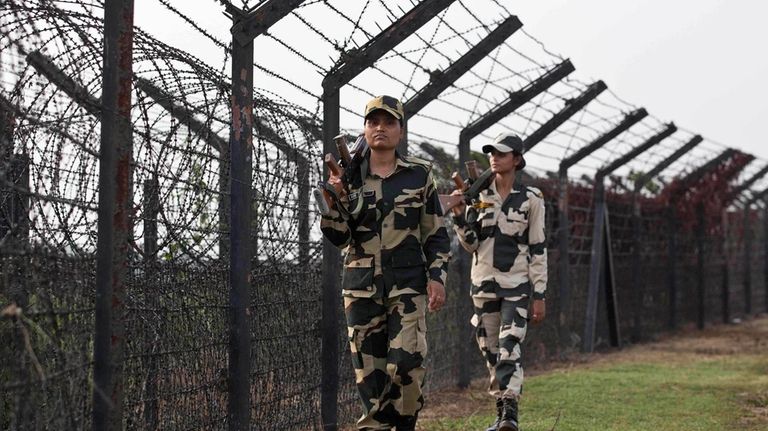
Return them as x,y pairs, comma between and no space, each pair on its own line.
435,295
458,209
338,186
539,311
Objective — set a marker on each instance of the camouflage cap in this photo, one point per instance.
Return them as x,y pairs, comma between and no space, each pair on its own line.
387,103
505,143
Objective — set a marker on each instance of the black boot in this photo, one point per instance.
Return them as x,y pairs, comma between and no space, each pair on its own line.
509,416
408,424
499,411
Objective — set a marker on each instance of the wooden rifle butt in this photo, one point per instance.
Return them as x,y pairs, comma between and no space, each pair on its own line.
333,166
341,147
460,185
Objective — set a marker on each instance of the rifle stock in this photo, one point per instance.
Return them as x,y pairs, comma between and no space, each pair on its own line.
478,183
460,185
333,166
341,147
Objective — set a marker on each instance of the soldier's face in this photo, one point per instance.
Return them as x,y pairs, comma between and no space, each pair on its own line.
502,163
382,130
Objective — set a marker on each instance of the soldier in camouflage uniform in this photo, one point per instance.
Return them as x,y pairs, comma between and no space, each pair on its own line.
397,251
504,230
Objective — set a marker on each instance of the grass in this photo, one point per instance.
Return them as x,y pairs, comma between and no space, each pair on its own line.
705,393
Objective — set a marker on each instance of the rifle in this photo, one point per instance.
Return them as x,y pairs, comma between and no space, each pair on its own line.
347,168
476,183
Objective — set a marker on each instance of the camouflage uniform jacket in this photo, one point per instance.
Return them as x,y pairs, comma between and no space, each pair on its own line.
508,242
398,238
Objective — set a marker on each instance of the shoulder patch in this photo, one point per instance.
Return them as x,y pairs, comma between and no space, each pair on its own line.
534,191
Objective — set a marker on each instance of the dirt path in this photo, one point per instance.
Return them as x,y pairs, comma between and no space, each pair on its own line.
687,345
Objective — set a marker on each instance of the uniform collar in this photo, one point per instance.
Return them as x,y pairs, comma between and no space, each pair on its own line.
400,163
496,196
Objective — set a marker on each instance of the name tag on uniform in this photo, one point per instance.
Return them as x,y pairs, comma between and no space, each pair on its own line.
368,193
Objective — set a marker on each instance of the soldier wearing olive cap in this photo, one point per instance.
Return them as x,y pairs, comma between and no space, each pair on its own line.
504,230
395,266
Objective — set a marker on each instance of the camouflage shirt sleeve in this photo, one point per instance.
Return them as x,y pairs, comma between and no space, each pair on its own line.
537,268
335,227
467,232
434,237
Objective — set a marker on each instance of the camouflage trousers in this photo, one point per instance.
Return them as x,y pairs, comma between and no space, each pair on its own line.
501,324
387,339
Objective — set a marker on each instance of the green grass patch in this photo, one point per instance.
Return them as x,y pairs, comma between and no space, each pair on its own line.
701,395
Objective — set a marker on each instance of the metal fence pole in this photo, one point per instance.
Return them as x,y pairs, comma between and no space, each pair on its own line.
726,252
747,229
563,232
115,224
700,231
595,268
241,171
331,290
672,266
465,306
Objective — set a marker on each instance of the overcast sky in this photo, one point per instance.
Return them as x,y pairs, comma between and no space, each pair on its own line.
700,63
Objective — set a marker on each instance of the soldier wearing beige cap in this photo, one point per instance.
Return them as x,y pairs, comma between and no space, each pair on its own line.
504,229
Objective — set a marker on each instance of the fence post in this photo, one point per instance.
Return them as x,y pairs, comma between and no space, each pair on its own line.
241,171
747,232
726,289
700,231
638,290
563,232
672,265
597,261
331,290
115,224
602,247
465,307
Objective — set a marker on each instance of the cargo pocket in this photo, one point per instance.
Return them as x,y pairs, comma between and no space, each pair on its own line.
412,341
410,270
357,282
